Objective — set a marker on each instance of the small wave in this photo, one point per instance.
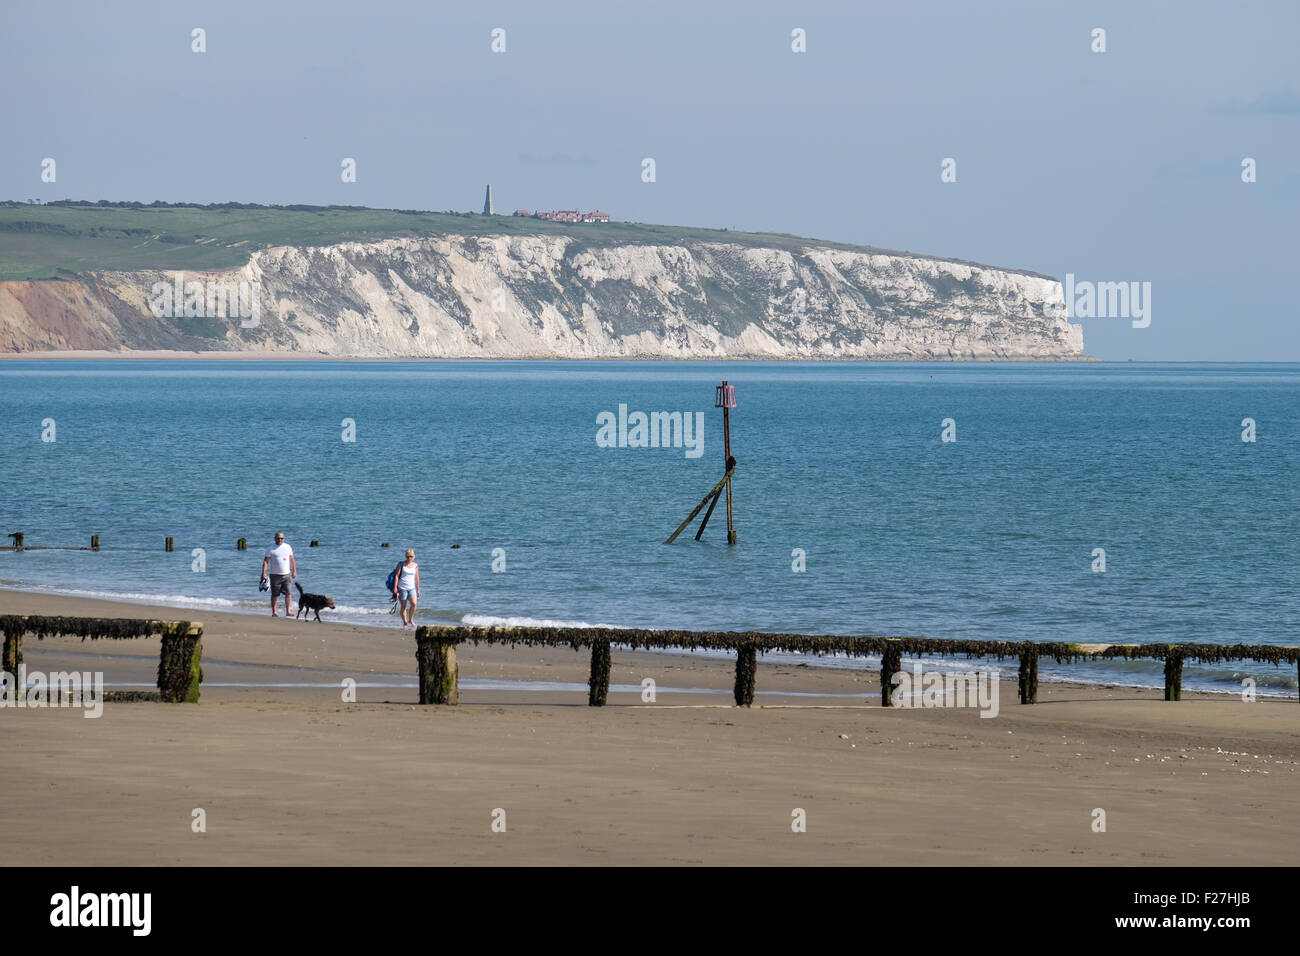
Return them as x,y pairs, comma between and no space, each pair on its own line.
353,609
136,597
488,620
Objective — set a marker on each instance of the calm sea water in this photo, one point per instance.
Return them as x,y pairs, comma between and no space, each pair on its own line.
990,536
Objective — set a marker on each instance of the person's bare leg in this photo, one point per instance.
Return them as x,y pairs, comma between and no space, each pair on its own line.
286,603
412,621
272,604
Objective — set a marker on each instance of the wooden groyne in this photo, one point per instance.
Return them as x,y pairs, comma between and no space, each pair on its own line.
180,663
436,654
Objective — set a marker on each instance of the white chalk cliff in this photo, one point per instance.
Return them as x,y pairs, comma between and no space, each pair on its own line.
549,296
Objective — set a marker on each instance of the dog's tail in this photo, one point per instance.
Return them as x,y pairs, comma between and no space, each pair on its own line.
299,587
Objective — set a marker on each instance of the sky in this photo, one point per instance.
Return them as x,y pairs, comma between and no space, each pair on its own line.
1115,166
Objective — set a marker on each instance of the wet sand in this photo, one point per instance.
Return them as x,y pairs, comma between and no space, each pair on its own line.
294,775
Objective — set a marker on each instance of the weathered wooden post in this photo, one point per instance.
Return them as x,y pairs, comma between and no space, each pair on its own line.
94,542
891,662
707,515
314,543
1174,675
18,540
439,676
13,647
167,545
713,493
241,544
180,665
598,682
1028,673
746,671
726,400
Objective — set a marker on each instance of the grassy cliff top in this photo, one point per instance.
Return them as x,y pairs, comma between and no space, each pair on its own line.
61,238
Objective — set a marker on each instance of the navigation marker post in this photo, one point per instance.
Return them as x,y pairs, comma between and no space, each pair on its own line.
725,400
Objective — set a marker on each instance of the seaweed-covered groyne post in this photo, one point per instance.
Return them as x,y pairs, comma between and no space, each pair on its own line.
12,626
598,682
180,665
1173,674
746,672
435,651
891,662
1028,674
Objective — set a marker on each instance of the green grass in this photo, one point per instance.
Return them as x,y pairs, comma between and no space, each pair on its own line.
46,241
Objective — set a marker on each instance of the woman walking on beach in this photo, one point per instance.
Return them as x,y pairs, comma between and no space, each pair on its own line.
407,587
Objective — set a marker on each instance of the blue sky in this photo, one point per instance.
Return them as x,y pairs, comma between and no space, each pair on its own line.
1115,166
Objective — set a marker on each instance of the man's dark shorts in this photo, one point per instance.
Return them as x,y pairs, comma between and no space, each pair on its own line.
280,585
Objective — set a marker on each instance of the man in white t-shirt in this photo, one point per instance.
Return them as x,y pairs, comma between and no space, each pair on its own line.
283,569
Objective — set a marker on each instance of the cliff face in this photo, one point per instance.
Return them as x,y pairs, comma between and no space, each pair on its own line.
553,296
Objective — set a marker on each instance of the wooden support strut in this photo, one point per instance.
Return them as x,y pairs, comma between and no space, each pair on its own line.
713,492
707,515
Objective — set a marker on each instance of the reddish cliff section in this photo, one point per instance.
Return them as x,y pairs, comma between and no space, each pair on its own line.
60,315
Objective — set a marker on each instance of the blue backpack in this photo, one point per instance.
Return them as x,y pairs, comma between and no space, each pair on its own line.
392,579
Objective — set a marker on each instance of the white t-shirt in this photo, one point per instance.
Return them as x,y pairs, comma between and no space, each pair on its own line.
278,559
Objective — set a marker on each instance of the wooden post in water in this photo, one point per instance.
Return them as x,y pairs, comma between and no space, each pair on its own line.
18,540
726,400
94,542
707,515
167,545
241,545
713,493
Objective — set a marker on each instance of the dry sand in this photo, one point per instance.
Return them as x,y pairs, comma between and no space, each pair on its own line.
297,776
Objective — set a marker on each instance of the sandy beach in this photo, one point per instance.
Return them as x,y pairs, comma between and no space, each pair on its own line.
293,775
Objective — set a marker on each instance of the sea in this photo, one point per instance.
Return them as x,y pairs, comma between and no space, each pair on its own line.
1083,501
